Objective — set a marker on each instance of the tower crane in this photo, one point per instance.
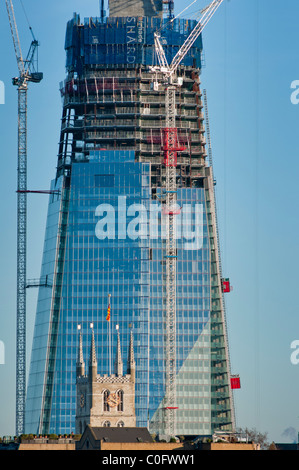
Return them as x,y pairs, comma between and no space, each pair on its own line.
27,73
171,149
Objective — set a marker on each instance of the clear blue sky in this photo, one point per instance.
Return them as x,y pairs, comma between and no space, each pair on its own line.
251,51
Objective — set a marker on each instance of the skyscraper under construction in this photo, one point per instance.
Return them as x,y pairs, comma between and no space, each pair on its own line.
106,230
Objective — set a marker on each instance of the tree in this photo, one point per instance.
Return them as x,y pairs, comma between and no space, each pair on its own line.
257,437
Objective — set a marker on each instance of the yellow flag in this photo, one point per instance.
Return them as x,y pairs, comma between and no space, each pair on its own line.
108,313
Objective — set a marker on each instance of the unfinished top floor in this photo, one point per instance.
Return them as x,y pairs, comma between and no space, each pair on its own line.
122,8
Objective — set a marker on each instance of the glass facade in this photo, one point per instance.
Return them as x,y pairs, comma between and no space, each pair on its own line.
192,318
36,385
100,259
114,243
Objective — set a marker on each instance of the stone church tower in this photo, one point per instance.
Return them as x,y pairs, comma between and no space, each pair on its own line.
105,400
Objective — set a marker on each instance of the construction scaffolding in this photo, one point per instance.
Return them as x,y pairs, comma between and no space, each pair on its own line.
127,113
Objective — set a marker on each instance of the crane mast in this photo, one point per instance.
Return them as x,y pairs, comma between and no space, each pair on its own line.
171,149
27,73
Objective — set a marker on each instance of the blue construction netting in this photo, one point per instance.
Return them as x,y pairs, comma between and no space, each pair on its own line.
126,41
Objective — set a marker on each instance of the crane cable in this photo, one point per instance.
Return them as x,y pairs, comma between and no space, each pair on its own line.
27,19
164,25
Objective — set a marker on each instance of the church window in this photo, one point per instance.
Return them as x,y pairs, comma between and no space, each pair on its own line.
120,395
106,405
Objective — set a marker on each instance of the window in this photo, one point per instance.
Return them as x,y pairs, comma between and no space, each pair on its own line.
106,181
106,424
120,395
106,395
120,424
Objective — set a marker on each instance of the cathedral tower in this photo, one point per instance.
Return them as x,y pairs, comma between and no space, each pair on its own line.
105,400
